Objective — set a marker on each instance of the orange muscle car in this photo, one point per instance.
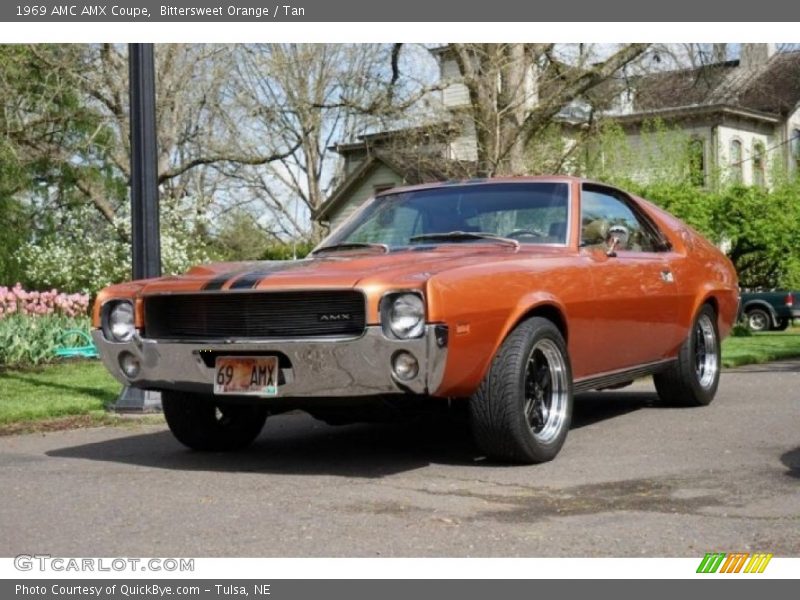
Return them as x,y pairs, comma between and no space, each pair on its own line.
509,295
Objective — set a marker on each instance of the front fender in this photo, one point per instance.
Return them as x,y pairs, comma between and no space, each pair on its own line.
474,345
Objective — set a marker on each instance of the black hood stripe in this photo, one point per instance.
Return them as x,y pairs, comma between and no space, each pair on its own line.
218,281
252,279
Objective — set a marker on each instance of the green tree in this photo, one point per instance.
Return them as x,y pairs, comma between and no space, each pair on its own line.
761,228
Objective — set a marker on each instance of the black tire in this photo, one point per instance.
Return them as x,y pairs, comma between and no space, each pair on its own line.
693,379
515,415
202,422
783,324
758,319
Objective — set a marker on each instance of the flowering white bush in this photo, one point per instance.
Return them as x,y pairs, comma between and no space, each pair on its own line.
87,254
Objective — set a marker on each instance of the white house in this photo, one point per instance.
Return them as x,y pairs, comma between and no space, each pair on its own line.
742,117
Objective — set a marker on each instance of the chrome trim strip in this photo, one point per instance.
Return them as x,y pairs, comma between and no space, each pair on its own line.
611,378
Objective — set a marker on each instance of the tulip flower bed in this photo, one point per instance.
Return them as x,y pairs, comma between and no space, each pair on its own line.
32,324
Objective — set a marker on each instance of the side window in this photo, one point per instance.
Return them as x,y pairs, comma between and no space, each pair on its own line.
736,162
604,215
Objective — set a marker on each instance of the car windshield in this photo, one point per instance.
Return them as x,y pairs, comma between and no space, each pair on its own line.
529,213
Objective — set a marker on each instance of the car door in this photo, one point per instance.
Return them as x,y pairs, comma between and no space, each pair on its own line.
634,290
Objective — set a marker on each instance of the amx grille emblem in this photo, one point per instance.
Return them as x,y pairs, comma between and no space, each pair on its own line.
334,317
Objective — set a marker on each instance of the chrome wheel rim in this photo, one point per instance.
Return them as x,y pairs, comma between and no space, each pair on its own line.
757,321
546,391
706,359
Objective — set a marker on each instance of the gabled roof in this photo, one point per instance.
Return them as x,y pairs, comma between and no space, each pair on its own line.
413,169
435,131
772,88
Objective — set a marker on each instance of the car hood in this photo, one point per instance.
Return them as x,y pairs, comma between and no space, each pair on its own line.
341,270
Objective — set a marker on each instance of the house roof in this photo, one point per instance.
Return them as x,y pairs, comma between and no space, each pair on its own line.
771,88
439,130
413,169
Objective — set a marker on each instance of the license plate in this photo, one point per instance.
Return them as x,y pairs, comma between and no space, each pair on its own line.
246,376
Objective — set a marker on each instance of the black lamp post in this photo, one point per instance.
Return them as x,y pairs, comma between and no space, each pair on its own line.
145,237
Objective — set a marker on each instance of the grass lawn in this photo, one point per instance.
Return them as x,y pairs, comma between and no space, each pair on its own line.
59,390
761,347
77,393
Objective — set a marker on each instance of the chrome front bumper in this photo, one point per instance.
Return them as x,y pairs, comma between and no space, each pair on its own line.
316,367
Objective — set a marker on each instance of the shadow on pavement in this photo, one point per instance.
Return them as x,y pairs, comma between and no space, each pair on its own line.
297,444
294,444
791,460
594,407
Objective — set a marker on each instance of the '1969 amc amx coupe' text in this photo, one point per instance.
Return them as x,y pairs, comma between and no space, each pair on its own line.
509,295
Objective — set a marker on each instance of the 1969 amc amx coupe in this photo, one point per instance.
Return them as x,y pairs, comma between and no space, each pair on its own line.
510,295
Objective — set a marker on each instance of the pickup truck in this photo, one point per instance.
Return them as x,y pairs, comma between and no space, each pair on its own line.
765,311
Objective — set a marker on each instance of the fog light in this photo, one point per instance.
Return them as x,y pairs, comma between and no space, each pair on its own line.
405,366
129,364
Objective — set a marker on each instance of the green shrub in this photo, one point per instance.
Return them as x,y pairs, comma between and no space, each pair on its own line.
32,340
740,330
287,251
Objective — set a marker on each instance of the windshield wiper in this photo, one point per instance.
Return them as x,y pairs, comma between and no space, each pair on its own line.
352,246
455,236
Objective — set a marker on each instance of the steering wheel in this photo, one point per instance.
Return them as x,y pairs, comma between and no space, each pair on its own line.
524,233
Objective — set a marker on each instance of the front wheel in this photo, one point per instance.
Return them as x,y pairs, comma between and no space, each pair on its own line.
522,410
202,422
693,379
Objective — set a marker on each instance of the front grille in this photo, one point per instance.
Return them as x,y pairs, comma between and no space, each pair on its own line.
254,315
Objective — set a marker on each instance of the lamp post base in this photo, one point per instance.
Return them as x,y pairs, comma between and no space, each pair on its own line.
134,400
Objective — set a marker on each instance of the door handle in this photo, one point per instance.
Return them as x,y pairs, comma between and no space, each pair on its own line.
667,277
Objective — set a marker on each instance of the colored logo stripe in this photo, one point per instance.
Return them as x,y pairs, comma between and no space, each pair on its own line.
732,563
758,563
711,562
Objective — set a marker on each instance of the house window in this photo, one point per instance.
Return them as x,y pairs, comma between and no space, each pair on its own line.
697,162
736,161
759,168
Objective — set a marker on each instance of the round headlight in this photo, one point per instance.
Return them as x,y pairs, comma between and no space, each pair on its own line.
407,316
120,322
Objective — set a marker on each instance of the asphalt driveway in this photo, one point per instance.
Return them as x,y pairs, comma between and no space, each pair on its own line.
633,479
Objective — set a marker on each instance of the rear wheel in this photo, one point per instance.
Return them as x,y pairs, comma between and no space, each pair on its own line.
693,379
758,319
783,324
522,410
202,422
